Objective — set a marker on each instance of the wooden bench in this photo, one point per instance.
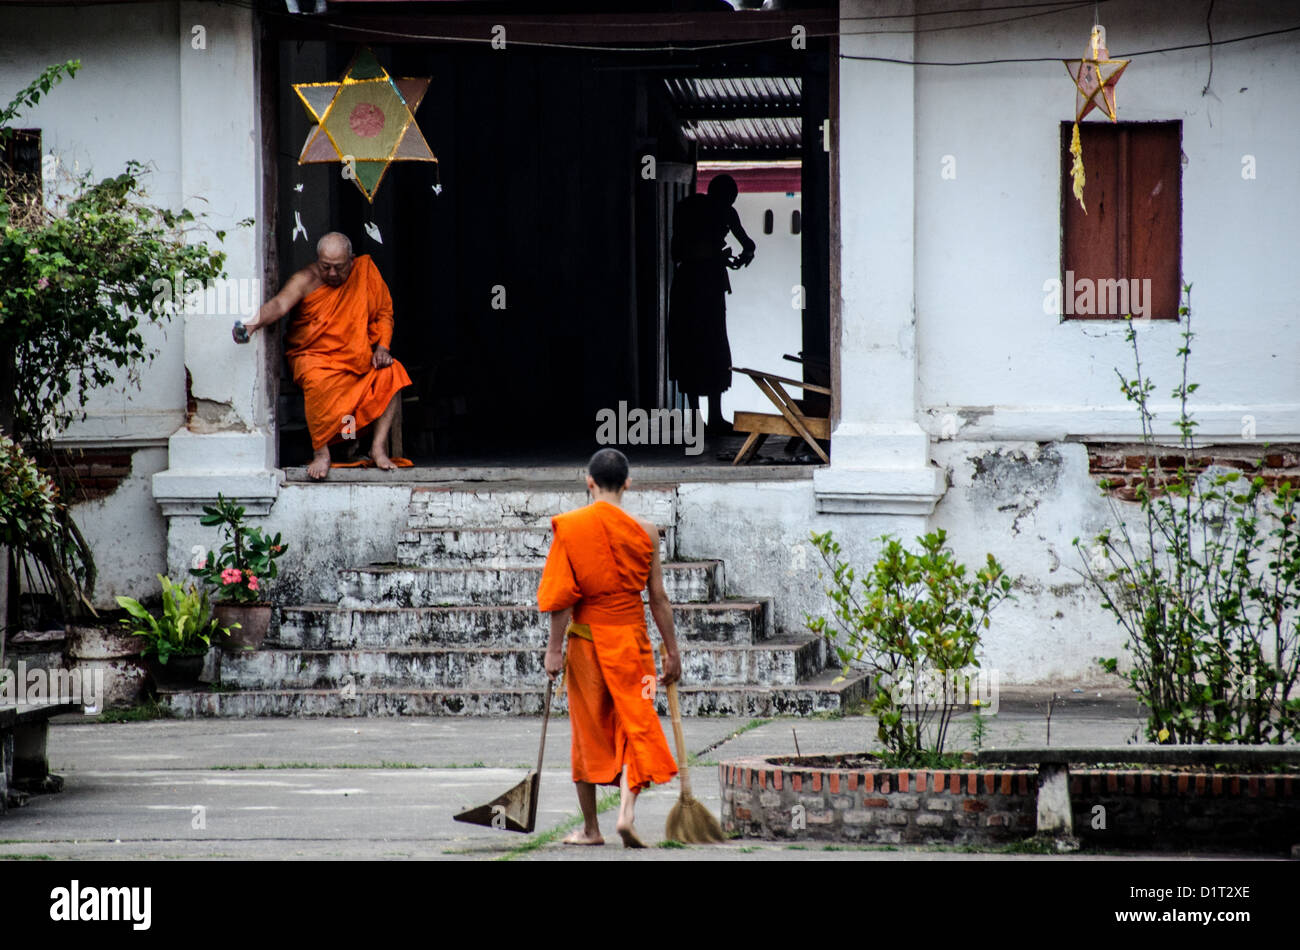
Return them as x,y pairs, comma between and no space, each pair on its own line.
1055,811
791,421
24,733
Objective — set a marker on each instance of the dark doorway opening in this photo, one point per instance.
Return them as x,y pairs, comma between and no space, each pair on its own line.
531,292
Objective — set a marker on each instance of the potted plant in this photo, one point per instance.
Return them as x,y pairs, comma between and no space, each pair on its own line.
239,572
177,642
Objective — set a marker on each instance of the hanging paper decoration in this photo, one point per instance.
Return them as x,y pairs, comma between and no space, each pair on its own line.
366,121
1095,77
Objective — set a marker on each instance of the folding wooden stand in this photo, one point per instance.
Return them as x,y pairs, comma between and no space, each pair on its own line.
791,421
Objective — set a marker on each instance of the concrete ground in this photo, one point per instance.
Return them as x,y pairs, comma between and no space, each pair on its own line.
387,788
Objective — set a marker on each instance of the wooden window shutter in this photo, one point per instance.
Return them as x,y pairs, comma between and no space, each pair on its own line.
1132,231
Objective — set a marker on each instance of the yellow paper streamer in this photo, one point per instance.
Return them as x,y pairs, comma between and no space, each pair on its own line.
1076,169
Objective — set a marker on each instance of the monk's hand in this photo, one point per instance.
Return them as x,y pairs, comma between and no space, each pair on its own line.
672,669
381,358
554,662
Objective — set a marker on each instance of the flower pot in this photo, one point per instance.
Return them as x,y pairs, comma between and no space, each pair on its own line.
181,671
253,619
92,642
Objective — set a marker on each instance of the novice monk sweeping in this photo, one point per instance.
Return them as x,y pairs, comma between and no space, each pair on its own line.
338,348
600,561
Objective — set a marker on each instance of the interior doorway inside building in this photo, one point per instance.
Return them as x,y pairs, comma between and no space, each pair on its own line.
531,290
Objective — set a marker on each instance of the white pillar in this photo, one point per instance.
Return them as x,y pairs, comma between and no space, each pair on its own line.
228,443
880,456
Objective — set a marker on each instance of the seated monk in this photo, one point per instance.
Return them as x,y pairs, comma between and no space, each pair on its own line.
338,348
601,559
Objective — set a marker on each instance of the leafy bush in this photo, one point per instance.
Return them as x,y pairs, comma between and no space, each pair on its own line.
1206,584
77,282
186,627
33,521
914,620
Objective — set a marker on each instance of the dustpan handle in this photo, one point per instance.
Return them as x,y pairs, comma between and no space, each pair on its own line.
546,718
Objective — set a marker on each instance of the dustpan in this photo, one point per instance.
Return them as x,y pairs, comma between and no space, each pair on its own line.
516,810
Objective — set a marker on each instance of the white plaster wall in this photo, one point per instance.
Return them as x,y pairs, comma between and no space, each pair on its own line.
128,533
762,321
989,239
123,104
1025,503
760,530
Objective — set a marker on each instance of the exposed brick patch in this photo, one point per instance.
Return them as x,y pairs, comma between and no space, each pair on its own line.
1120,466
90,473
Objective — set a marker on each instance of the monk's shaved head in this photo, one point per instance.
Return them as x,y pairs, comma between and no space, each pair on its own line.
608,469
334,258
336,242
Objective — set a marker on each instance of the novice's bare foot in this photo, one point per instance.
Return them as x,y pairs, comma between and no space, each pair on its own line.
584,837
381,459
627,815
320,464
630,838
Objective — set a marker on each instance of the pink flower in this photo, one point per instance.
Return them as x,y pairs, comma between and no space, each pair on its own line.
230,575
252,582
42,283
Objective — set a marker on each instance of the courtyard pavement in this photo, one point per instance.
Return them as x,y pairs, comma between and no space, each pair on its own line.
272,789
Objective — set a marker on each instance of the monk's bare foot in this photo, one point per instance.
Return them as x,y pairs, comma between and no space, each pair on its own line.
381,459
320,465
584,837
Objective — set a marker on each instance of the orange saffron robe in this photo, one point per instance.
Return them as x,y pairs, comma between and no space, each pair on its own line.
598,564
329,346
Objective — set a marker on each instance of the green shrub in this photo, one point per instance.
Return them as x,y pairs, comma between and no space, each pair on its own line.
1206,584
914,618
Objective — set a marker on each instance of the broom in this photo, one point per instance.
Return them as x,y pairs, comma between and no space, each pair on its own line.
689,821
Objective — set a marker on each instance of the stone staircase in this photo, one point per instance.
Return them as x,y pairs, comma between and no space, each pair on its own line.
452,628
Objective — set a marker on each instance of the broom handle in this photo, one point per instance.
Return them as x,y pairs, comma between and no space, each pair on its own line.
546,717
675,709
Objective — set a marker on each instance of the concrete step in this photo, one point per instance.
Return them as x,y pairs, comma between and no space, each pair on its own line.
804,699
324,626
489,547
771,663
525,505
395,585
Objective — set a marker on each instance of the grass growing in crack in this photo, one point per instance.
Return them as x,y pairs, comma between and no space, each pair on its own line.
670,843
356,765
603,804
148,710
25,857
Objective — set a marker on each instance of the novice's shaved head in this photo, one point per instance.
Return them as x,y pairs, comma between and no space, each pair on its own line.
608,469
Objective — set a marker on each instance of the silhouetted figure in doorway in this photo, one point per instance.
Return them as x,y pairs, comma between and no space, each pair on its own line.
699,355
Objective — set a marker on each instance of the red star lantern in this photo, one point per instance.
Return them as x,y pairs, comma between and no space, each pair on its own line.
1095,77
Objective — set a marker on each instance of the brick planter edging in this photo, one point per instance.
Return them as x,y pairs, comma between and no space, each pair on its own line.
777,797
883,806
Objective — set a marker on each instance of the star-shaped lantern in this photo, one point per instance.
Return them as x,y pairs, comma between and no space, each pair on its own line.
1095,77
367,121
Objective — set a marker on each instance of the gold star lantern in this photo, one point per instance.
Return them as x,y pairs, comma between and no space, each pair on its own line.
1095,77
366,121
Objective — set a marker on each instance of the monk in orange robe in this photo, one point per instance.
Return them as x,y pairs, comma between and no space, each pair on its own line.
601,559
338,348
